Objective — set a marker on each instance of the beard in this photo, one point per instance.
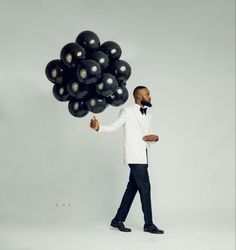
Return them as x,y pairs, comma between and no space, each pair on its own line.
145,103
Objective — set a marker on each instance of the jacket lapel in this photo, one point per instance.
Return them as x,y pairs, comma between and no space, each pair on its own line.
144,126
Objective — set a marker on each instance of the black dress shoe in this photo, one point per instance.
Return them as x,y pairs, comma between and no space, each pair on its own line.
119,224
152,229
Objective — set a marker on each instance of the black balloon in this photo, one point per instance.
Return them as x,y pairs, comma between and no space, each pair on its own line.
89,71
122,70
78,108
101,58
122,83
96,104
60,93
88,40
112,49
77,90
91,77
56,71
107,86
72,54
119,97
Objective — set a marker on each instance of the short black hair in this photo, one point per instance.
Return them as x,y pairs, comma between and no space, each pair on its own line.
137,89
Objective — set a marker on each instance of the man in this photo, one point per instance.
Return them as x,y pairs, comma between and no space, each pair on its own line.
135,120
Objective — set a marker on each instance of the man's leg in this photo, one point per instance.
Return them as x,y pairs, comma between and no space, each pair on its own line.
140,174
127,199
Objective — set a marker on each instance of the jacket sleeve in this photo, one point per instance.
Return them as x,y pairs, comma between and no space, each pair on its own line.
115,125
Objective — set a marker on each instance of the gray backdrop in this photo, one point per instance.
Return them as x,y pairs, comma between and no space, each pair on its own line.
183,51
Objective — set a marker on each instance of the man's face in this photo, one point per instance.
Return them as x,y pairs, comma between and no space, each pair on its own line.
145,97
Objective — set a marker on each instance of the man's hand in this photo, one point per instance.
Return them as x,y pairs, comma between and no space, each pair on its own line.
94,124
150,138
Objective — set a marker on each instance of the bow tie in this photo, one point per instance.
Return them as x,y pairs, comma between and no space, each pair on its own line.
143,110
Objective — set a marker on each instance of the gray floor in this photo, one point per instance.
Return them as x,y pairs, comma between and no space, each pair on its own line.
180,234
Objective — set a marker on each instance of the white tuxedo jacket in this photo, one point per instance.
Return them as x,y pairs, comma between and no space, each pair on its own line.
135,126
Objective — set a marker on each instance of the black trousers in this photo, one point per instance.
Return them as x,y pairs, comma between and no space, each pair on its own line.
138,181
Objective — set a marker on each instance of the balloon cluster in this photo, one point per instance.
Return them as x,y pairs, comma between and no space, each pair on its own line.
89,75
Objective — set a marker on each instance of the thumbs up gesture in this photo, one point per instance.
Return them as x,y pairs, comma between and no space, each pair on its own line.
94,124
